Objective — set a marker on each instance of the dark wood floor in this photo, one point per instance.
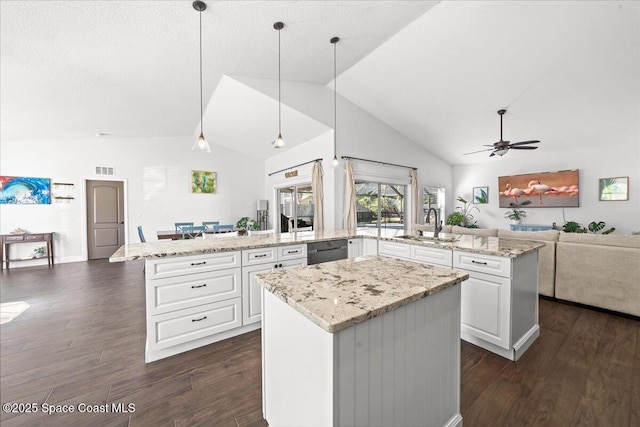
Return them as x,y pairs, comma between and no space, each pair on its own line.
82,341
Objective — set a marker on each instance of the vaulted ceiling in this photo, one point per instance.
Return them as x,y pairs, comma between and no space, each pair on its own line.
436,72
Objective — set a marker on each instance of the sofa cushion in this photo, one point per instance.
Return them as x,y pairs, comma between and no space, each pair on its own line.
546,256
604,274
425,227
486,232
626,241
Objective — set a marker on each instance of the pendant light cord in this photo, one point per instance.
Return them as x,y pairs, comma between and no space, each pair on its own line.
201,113
279,91
334,41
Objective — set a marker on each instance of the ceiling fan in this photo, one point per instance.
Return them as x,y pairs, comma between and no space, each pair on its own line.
501,147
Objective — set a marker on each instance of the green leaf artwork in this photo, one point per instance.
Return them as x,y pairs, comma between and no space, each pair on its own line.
203,182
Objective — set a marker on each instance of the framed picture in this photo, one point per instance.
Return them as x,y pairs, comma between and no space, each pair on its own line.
480,195
203,182
614,189
20,190
559,189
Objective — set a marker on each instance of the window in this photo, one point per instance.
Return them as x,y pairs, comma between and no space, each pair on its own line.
433,197
381,206
295,204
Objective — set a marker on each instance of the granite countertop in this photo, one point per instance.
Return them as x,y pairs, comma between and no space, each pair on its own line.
171,248
474,244
340,294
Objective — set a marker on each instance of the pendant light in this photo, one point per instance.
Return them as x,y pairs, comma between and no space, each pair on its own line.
333,41
279,142
201,144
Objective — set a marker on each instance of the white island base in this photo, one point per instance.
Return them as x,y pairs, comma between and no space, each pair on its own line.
399,369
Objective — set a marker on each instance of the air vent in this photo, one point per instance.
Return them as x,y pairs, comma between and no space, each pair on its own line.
105,170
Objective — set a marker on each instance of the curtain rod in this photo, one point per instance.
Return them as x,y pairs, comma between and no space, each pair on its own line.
382,163
291,167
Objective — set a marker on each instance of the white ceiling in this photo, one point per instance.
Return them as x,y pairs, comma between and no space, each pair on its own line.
566,71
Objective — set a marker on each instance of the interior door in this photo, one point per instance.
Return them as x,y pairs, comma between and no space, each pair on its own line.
105,218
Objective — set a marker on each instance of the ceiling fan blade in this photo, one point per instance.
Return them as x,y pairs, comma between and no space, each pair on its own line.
517,147
479,151
492,154
525,142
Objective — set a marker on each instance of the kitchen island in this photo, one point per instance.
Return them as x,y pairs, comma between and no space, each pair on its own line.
364,341
202,291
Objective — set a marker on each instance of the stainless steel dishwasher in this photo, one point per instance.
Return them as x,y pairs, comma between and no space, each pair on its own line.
331,250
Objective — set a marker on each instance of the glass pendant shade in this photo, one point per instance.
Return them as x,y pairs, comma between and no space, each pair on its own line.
279,142
201,144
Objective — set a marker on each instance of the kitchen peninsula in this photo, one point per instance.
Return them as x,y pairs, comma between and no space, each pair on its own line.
202,291
364,341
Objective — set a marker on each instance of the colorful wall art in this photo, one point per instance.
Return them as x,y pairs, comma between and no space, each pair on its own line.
542,190
18,190
203,182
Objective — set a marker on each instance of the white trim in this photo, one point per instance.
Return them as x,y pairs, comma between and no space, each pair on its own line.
455,421
525,342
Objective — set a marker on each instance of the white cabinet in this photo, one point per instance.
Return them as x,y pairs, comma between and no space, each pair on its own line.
394,249
432,256
369,247
499,302
283,257
191,301
354,248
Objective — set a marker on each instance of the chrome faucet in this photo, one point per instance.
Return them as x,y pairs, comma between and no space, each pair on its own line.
437,226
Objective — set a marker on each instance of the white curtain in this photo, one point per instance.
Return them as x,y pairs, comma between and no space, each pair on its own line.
415,202
350,199
318,196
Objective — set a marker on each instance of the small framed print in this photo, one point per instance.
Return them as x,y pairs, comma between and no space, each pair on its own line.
614,189
203,182
480,195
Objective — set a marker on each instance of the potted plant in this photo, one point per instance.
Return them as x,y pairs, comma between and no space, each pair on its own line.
515,213
463,217
39,252
245,224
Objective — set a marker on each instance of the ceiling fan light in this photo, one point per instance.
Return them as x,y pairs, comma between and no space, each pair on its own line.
501,152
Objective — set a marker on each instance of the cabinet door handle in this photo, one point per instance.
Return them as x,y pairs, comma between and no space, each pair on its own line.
197,320
199,263
275,266
292,252
478,262
280,265
260,256
198,286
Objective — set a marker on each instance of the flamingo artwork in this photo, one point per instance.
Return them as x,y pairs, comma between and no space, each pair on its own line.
513,192
540,189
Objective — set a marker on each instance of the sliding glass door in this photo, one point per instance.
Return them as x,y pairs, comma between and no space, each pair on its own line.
295,206
380,206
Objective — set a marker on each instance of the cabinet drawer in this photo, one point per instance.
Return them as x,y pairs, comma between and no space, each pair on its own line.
16,238
393,249
489,264
169,267
39,237
175,293
292,252
431,255
182,326
259,256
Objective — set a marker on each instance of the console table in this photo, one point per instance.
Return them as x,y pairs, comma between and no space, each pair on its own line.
8,239
529,227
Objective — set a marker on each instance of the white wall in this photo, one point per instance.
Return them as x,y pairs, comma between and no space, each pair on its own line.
156,172
359,134
593,163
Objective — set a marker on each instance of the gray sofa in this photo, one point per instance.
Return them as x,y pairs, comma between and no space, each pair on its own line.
599,270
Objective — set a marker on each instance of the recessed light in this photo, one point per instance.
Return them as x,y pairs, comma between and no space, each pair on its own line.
101,134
